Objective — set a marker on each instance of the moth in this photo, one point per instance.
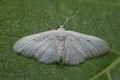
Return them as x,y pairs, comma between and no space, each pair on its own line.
65,46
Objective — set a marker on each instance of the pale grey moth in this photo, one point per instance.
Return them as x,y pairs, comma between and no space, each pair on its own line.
63,46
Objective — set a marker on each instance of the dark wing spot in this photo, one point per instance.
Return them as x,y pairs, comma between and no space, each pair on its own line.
88,40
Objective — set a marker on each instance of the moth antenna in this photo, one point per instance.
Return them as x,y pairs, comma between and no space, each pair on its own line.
67,19
58,22
64,22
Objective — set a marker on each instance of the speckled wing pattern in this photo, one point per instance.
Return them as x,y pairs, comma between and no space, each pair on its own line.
79,47
41,46
45,47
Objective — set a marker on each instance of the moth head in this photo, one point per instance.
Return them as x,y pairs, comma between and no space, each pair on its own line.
61,26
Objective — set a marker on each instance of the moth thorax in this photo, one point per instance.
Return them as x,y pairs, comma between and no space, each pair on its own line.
61,34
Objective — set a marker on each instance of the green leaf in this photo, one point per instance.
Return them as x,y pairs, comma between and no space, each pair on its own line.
19,18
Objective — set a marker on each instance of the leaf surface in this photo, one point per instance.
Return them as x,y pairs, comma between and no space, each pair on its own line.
19,18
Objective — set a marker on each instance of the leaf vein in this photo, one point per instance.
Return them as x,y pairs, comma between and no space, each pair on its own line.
110,67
